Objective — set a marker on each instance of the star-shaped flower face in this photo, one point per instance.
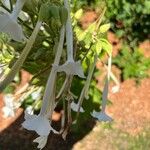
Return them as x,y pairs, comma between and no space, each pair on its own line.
75,107
41,140
72,68
101,116
38,123
8,109
10,26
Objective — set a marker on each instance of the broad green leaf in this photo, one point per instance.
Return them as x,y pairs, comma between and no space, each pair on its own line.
78,14
106,46
104,28
98,47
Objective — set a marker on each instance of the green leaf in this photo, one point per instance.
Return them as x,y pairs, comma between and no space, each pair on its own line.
78,14
107,47
98,47
104,28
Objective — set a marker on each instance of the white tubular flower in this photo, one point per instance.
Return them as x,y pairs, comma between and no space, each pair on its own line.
29,110
38,123
37,94
70,67
102,116
75,107
115,89
16,67
41,140
6,3
9,24
8,109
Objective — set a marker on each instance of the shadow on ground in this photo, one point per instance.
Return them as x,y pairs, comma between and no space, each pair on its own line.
16,138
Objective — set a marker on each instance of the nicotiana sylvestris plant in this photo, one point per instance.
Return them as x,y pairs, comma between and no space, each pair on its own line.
9,24
42,123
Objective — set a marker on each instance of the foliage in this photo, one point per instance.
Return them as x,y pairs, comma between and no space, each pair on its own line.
42,54
132,63
129,19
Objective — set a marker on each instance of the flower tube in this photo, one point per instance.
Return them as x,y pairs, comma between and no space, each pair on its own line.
22,57
102,116
84,93
40,123
70,67
9,24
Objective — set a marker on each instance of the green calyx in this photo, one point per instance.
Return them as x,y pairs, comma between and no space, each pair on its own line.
44,14
52,13
63,15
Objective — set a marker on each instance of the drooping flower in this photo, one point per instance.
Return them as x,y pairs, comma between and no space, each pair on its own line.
38,123
10,107
41,140
16,67
37,94
102,116
84,93
9,24
70,67
30,110
115,88
41,123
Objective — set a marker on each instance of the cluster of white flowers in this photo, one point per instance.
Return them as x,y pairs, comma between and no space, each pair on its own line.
41,123
10,106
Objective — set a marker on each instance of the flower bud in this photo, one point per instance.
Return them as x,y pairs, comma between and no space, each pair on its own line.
54,12
44,13
63,15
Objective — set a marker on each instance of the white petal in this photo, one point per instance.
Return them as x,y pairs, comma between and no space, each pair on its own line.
6,3
39,124
28,116
101,116
72,68
41,140
8,112
29,110
115,89
8,100
75,107
11,27
35,95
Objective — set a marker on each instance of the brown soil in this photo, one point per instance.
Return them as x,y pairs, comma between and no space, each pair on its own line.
130,106
88,18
